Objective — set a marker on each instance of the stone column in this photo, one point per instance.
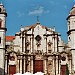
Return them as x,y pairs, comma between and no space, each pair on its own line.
32,64
29,64
24,42
21,43
73,59
59,66
69,66
24,63
53,43
2,58
45,65
56,65
53,71
6,64
21,65
31,43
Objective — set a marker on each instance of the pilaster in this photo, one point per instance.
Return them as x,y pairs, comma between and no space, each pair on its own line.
32,64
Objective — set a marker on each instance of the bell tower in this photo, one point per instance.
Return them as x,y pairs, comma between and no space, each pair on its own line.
3,29
71,34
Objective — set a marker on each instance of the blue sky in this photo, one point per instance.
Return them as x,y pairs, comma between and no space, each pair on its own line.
51,13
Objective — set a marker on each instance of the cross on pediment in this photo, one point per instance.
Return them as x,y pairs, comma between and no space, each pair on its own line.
37,18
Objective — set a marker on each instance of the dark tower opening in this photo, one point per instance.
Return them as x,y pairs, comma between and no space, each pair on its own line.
0,10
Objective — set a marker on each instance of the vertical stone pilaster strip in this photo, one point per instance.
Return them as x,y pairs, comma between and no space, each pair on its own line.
24,41
21,43
31,44
32,64
53,71
25,63
6,64
45,66
28,68
56,65
70,66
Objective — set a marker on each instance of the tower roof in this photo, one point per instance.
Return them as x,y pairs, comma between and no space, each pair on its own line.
1,4
2,9
72,12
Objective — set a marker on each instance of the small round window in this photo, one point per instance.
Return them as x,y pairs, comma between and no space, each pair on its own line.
38,38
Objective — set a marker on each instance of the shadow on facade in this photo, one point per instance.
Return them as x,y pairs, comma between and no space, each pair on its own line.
2,72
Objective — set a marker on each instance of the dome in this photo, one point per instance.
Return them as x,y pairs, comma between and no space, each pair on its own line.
72,12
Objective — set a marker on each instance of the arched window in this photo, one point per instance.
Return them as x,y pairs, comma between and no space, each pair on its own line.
0,23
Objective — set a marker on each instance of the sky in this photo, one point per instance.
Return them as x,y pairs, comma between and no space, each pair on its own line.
52,13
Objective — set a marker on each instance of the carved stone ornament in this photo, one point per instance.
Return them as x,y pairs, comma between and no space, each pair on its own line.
27,43
38,44
38,52
49,43
63,58
12,58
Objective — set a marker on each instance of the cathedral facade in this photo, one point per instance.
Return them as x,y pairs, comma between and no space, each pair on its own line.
37,48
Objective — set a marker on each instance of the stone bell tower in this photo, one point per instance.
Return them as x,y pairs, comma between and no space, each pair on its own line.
3,29
71,34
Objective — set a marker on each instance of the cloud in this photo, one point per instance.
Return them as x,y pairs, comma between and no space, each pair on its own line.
38,11
20,14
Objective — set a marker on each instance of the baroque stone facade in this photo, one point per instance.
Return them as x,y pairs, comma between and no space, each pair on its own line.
37,48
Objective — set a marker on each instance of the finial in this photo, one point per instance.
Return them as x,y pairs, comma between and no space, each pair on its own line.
21,26
1,3
37,18
53,28
74,5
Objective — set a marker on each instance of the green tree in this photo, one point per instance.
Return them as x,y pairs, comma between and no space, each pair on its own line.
67,71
